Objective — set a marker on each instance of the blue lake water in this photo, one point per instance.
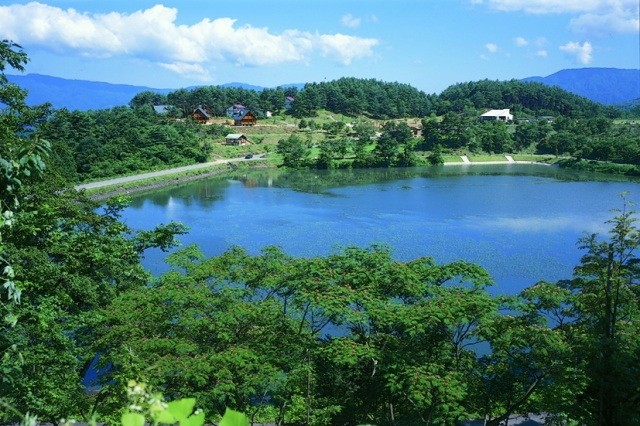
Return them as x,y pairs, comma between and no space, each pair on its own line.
520,222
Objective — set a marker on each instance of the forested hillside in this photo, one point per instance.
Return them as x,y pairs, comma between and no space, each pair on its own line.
382,100
524,99
366,97
111,142
374,133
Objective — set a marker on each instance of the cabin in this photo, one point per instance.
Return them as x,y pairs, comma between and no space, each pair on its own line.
416,131
244,118
162,109
236,139
235,109
497,115
288,102
200,115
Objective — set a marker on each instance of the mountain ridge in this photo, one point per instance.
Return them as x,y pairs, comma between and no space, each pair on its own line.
609,86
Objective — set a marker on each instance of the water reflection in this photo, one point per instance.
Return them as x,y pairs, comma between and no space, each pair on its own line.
202,193
541,224
519,222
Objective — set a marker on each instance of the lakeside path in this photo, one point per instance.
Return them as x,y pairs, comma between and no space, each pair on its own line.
508,160
159,173
167,172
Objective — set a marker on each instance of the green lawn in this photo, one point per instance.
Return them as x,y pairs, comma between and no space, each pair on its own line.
451,159
533,157
486,157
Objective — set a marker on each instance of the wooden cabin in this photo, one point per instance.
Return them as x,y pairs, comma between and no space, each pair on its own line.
236,139
244,118
200,115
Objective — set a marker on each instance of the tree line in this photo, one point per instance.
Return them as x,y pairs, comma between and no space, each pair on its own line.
384,100
217,99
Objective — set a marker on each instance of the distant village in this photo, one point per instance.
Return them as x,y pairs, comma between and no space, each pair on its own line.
238,115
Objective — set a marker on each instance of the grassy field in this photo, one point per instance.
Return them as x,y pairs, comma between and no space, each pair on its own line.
451,159
486,157
534,157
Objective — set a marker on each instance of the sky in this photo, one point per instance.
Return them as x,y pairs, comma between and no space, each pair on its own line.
429,44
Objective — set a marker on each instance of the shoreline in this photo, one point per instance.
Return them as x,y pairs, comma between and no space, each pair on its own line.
171,177
480,163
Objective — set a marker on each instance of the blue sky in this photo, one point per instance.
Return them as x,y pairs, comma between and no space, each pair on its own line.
430,44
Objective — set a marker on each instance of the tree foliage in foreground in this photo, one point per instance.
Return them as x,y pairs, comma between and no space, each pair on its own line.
355,336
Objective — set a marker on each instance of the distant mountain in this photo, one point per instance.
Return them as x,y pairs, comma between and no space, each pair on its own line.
244,86
85,95
609,86
77,94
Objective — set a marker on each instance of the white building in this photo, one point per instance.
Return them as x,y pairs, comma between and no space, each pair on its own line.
497,114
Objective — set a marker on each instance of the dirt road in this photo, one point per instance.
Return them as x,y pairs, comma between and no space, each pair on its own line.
142,176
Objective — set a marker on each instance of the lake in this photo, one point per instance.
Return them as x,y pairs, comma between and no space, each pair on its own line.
520,222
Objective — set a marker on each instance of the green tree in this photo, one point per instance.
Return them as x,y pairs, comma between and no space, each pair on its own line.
72,260
435,157
147,98
494,137
606,288
293,151
394,146
528,134
364,130
455,130
21,158
597,313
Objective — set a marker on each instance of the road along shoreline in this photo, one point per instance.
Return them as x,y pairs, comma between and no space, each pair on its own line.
179,175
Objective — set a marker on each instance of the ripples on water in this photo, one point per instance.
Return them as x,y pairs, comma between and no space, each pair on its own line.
520,222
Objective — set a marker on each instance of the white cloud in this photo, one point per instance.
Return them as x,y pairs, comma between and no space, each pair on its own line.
605,23
491,47
345,48
350,21
597,16
153,35
193,71
581,52
520,41
542,53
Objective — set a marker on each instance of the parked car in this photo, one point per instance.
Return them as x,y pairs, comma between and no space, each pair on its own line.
248,156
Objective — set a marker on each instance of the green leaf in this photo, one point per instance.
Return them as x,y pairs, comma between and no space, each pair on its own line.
132,419
181,408
233,418
195,420
165,416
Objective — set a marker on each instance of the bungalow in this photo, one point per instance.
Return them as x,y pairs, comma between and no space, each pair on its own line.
497,114
235,109
236,139
288,102
161,109
244,118
200,115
